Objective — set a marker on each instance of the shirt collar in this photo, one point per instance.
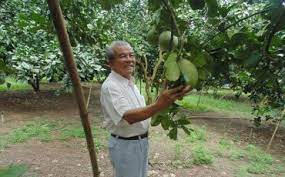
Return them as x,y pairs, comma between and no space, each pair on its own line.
122,79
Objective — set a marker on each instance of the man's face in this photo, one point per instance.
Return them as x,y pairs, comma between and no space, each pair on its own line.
124,61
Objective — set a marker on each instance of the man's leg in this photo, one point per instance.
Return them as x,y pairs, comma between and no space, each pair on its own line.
129,157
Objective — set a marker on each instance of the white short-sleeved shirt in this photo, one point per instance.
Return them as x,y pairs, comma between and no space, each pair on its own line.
119,95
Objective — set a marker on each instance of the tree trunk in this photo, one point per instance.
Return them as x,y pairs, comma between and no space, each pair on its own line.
35,83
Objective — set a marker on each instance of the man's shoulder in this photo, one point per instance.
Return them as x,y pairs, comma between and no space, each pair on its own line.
108,83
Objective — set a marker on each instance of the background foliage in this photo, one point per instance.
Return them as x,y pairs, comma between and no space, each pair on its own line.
237,44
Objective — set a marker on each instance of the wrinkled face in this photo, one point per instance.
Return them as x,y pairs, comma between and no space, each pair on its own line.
124,61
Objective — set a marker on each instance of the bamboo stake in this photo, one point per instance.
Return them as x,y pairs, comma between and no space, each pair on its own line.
273,135
88,99
2,117
66,49
276,128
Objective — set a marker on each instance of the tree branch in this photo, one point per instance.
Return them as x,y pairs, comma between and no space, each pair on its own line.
148,82
144,68
272,31
173,16
233,24
160,60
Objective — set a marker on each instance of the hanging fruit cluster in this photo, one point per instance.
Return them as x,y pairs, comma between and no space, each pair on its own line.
181,65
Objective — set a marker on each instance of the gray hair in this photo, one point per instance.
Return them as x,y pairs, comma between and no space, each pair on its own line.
110,53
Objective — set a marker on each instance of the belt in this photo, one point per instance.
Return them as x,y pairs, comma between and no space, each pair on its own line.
131,138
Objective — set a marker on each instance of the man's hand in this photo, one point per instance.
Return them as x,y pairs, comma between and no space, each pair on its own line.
166,98
169,96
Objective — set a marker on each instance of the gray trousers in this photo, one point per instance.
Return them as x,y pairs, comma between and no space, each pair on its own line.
129,157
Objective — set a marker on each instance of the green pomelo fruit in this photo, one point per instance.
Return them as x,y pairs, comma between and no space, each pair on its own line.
189,72
200,60
172,71
164,41
202,74
197,4
212,8
152,36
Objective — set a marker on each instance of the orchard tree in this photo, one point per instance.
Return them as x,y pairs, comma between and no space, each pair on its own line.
204,43
30,48
212,43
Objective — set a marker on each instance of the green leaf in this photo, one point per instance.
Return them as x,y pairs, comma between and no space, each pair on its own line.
8,84
183,121
156,119
165,122
173,133
26,66
187,130
38,18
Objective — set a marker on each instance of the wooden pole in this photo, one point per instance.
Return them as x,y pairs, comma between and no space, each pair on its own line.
66,49
275,130
273,135
2,117
88,99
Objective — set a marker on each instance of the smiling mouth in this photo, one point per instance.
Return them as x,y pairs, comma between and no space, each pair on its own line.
130,66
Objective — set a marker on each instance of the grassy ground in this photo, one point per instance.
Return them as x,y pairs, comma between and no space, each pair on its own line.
46,131
13,170
189,150
15,85
202,103
248,160
58,138
213,101
195,102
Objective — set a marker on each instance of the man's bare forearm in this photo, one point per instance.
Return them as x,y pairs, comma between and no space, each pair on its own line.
140,114
164,100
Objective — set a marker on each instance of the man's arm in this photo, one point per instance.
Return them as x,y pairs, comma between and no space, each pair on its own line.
164,100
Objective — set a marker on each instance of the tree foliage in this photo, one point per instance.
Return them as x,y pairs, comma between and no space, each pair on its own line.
233,43
240,44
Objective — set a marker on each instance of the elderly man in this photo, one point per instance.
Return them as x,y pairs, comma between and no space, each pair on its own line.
125,112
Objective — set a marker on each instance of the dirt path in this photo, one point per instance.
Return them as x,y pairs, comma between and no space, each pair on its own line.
70,158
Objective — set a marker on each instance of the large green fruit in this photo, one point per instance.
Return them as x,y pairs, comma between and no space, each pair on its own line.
152,36
197,4
189,72
172,71
164,41
212,8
